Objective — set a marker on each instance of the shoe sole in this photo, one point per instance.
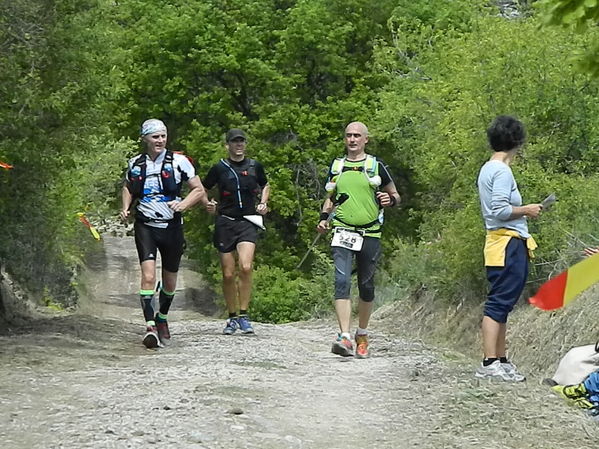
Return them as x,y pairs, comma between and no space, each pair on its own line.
225,332
498,378
247,332
362,356
341,350
151,341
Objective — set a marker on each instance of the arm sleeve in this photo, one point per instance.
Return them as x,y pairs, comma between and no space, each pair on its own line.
501,194
211,178
261,175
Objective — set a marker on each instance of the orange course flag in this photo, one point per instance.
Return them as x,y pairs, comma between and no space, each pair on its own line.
5,165
566,286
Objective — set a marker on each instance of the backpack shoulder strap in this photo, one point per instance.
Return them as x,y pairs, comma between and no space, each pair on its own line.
140,161
137,176
337,166
252,167
371,166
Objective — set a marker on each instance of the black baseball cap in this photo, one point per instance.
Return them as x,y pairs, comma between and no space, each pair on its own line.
235,133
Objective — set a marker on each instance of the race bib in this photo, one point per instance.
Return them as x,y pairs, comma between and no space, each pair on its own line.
345,238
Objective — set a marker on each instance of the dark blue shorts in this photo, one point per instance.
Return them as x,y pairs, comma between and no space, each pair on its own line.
366,261
507,282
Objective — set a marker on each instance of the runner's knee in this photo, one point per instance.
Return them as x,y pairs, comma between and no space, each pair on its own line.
342,287
366,292
148,278
228,276
245,268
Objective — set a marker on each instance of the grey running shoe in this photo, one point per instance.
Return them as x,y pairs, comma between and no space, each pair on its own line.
231,326
511,369
343,347
245,325
151,339
495,371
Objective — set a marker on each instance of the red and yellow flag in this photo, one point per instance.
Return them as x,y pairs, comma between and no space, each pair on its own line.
565,287
83,219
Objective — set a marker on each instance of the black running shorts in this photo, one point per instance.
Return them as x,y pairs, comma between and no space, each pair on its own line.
169,241
228,232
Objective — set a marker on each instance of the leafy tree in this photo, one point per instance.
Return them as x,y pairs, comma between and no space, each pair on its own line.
291,73
581,15
442,111
54,120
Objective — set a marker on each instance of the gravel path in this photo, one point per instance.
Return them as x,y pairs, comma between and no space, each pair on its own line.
85,381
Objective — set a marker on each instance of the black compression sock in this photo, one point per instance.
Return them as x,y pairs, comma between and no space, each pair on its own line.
165,299
146,306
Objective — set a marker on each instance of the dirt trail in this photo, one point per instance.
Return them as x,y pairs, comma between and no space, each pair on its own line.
85,381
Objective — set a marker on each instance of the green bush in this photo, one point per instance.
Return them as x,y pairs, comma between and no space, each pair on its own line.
278,297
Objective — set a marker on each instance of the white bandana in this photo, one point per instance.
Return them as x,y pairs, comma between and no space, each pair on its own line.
152,126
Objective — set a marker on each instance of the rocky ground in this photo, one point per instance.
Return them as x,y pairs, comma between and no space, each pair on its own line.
83,380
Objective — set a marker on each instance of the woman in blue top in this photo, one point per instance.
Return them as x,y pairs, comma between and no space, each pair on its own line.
507,244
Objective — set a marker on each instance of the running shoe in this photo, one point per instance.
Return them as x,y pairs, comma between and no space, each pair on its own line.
231,326
163,333
343,347
361,346
245,325
495,371
151,339
511,369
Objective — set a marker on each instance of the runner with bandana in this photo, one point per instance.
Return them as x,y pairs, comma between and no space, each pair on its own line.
154,179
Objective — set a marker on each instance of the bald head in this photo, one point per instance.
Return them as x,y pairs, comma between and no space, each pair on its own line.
356,138
353,126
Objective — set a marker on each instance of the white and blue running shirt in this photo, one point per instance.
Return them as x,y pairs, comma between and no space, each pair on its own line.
153,204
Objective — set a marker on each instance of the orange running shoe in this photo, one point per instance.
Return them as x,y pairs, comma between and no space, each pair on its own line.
361,346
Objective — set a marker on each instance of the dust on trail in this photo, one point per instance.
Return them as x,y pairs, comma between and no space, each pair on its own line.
85,381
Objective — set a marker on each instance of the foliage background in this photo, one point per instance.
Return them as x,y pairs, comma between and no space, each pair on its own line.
79,76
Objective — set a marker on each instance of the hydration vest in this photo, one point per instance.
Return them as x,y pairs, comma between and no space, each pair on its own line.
248,169
370,170
137,177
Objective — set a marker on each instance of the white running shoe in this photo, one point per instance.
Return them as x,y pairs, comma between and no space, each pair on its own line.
511,369
496,371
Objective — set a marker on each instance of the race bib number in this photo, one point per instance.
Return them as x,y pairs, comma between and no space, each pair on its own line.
345,238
